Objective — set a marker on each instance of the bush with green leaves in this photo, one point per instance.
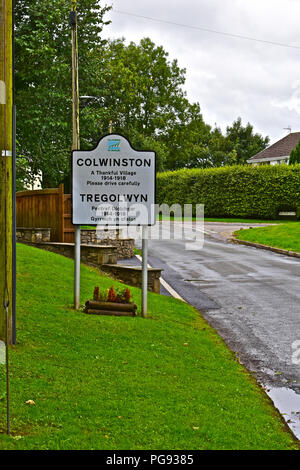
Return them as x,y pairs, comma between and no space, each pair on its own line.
295,155
234,191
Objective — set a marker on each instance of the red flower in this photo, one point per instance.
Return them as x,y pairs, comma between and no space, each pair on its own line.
127,295
112,295
96,293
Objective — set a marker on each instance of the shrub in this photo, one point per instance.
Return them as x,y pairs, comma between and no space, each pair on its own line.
295,155
96,293
111,295
233,191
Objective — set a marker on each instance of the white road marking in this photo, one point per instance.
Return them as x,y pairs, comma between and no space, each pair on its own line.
171,290
165,284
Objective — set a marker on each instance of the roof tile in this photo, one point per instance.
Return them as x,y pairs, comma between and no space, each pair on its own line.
282,148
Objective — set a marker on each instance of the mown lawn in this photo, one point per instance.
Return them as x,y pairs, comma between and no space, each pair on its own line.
166,382
286,236
248,221
228,220
213,219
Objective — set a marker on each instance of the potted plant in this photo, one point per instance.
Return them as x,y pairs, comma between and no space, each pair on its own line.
111,302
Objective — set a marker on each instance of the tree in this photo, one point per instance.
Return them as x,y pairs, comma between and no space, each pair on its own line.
244,141
43,79
295,155
195,144
189,141
138,89
134,87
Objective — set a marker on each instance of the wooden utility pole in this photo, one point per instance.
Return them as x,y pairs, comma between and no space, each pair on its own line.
6,184
75,84
76,141
6,169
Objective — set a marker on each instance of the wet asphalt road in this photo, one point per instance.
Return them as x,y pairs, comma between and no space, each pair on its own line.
251,297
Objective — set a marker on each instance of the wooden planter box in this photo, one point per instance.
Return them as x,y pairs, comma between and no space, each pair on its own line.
95,307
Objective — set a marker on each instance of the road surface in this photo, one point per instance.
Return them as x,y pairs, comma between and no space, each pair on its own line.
250,296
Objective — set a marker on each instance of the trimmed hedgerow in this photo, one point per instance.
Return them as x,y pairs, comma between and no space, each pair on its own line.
234,191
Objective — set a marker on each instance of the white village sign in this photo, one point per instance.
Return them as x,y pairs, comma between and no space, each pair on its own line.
113,184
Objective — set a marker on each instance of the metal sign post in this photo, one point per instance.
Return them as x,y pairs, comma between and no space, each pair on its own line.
144,271
76,142
77,267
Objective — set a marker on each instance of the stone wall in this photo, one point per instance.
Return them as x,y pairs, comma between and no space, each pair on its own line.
95,255
132,275
104,255
33,235
125,246
96,236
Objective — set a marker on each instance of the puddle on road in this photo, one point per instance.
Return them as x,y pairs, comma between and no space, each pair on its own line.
288,403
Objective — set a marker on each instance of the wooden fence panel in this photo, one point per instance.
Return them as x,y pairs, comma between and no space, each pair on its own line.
42,209
69,229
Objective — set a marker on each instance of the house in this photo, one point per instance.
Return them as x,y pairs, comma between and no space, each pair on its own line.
277,153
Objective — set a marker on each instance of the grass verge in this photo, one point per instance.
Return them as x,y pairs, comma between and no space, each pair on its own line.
213,219
229,220
286,236
166,382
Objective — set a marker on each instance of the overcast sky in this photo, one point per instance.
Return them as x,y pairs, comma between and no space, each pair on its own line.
229,77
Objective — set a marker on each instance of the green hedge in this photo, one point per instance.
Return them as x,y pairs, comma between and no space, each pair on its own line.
234,191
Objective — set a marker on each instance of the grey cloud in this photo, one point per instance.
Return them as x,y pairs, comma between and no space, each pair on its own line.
228,77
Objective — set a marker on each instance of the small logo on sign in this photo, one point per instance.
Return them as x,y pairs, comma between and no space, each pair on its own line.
113,145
